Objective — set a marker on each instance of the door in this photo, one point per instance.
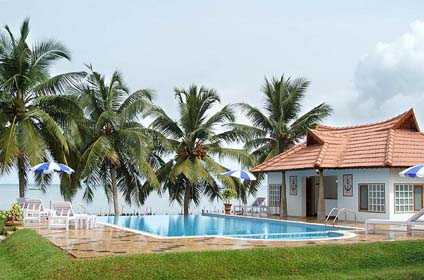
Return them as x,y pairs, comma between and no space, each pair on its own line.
310,197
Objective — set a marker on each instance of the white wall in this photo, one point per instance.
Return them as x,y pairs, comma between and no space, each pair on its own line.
296,204
361,176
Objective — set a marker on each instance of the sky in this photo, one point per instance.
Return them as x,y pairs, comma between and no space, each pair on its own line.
364,58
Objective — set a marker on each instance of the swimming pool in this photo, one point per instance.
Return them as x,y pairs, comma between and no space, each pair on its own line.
223,226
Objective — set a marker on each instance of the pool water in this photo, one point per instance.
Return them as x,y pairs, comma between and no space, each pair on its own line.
219,225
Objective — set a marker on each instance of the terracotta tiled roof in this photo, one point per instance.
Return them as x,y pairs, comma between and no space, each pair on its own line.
396,142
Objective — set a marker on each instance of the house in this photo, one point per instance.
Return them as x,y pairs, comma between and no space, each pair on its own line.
353,167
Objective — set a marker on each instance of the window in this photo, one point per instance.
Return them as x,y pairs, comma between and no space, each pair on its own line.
274,195
408,197
371,197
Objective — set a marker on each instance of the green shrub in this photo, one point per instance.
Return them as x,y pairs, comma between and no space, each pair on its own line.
228,194
15,213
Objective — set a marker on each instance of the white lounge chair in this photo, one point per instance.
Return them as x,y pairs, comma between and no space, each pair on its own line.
34,210
62,215
23,202
412,221
257,206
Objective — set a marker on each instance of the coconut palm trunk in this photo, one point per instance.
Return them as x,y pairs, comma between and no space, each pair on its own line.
114,190
21,176
283,196
187,199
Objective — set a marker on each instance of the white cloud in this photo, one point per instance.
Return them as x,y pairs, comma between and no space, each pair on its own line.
390,79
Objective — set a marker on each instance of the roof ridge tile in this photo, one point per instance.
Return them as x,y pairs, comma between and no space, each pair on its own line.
321,155
327,127
389,148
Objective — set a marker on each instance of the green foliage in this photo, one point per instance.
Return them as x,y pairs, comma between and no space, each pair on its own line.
26,255
228,194
196,146
280,125
32,115
115,148
15,213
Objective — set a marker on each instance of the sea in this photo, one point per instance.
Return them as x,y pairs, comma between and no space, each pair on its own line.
155,204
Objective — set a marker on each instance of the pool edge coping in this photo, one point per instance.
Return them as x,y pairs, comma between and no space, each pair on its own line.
346,233
348,228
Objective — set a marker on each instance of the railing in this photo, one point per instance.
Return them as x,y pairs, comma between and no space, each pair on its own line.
339,211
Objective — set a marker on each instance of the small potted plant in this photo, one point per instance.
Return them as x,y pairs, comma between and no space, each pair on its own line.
14,216
228,194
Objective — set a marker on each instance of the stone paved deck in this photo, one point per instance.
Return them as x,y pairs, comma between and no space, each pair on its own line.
107,241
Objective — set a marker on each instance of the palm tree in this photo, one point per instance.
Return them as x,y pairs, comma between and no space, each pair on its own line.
280,125
32,115
116,151
194,143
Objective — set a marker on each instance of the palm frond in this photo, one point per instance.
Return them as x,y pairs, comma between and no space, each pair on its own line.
30,141
257,118
58,84
239,155
137,103
310,120
164,124
46,52
96,153
47,121
9,150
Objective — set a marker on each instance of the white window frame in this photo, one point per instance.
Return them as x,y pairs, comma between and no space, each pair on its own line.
274,195
376,197
404,197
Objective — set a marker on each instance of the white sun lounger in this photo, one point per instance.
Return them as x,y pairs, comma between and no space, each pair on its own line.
23,202
34,210
61,216
258,206
412,221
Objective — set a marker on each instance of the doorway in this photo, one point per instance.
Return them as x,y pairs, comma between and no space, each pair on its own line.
310,197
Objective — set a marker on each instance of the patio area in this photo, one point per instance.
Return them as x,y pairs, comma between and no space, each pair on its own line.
106,240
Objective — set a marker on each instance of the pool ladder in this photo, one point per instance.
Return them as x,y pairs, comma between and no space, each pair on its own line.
339,211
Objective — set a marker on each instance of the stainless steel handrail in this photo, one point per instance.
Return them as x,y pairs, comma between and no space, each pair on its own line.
339,211
345,210
329,215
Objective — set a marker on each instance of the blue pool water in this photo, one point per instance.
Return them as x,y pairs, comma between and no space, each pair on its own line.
216,225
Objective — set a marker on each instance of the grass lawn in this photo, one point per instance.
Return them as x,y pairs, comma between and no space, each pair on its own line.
26,255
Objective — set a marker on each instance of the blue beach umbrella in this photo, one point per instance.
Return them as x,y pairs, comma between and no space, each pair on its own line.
241,174
50,167
414,171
